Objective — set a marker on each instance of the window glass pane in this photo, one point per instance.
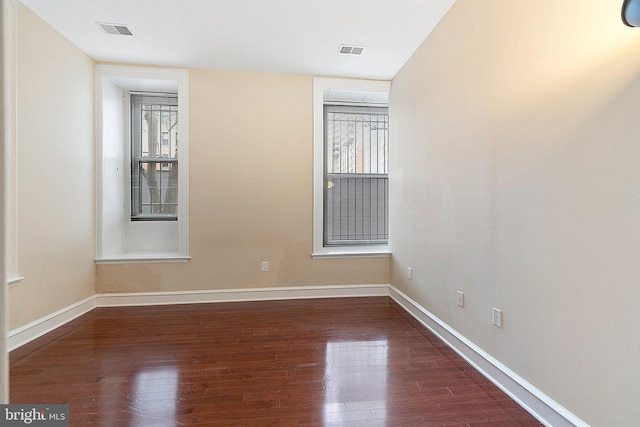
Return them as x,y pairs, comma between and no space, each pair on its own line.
154,156
356,175
159,136
158,188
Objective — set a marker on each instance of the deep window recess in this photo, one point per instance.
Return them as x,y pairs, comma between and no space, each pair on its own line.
356,166
154,156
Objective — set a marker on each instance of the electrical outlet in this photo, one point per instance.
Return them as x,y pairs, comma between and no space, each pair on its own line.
460,299
265,265
497,317
410,273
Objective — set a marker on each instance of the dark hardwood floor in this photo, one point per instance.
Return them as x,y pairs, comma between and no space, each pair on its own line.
324,362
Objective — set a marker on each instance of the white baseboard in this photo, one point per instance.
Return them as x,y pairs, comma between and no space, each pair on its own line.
236,295
541,406
546,410
29,332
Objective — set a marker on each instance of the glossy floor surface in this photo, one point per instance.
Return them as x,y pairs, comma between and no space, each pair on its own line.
324,362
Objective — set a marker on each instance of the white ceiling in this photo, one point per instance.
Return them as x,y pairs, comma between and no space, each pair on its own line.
273,36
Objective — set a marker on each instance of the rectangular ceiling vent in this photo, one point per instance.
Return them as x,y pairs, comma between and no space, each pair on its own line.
116,29
350,50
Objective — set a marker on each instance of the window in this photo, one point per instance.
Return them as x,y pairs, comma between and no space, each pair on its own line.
142,164
351,190
356,175
154,157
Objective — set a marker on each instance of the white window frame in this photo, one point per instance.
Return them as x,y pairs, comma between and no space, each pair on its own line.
153,98
119,239
321,87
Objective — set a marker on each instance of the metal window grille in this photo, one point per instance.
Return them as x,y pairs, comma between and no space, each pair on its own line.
154,157
356,191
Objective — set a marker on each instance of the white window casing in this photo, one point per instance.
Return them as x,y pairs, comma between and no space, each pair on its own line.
349,92
119,238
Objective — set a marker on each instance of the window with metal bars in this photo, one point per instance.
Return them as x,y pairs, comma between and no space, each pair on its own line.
154,156
356,190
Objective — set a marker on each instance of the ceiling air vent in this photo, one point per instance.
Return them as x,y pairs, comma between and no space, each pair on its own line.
350,50
116,29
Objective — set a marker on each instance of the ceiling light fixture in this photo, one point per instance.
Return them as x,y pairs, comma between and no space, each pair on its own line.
631,13
350,50
115,29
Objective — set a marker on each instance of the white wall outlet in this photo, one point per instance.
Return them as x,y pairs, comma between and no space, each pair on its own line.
460,299
410,273
497,317
265,265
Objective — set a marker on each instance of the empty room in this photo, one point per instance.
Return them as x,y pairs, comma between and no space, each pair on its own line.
320,213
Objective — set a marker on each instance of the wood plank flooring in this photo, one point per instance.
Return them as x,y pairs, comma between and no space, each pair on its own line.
323,362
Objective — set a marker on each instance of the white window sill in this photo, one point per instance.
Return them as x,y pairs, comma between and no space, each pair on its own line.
142,259
15,280
373,251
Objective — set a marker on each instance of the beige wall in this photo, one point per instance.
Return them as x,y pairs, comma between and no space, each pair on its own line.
515,179
250,193
55,173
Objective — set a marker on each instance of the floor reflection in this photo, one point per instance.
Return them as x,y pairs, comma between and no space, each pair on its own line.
154,395
355,381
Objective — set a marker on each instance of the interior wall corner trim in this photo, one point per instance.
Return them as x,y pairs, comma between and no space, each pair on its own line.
542,407
24,334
